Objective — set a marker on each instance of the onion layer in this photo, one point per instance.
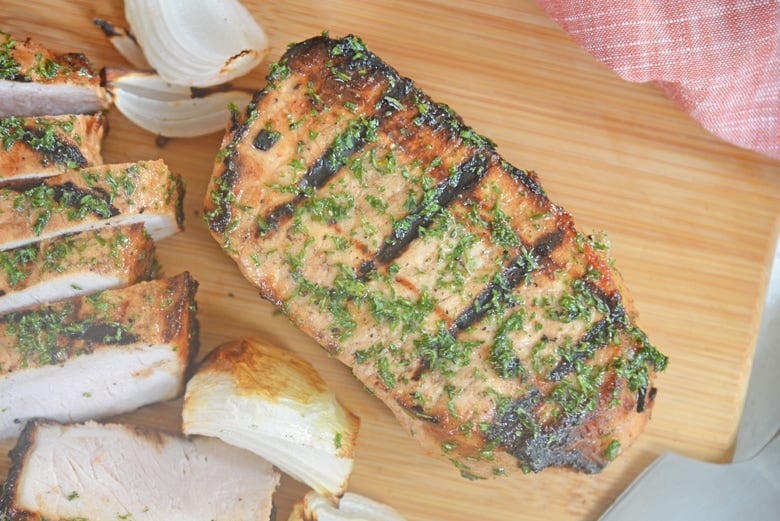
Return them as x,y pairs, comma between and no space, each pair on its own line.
171,110
351,507
197,43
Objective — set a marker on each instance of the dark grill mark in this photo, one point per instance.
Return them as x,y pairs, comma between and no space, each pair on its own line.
323,169
538,446
75,197
107,333
598,336
407,229
54,149
500,291
266,139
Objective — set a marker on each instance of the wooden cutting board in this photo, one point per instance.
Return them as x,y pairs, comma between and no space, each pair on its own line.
692,221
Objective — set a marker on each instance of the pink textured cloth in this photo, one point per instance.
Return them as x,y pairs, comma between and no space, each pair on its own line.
718,59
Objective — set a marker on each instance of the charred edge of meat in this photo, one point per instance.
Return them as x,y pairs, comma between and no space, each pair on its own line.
407,229
187,286
352,57
500,291
219,218
598,336
645,397
179,191
528,180
17,455
54,149
537,447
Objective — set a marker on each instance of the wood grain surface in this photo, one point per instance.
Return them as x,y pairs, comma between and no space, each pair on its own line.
692,222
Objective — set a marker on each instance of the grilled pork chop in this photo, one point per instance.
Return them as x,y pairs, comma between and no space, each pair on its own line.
85,199
75,264
48,145
108,472
443,276
97,355
34,81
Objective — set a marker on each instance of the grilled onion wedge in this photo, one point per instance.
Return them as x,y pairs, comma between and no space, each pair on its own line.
350,507
267,400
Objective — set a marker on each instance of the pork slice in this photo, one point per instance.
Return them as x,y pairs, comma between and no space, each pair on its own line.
75,264
470,304
107,195
43,146
34,81
111,471
97,355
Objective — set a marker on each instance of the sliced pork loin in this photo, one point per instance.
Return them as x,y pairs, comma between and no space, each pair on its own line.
106,472
43,146
34,81
95,197
268,400
398,238
97,355
75,264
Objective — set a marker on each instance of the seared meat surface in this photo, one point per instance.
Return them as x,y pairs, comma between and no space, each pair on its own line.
444,277
48,145
105,472
75,264
97,355
34,81
85,199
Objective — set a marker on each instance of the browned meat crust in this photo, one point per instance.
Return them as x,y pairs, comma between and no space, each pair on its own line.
34,81
81,336
124,253
154,312
78,200
400,240
48,145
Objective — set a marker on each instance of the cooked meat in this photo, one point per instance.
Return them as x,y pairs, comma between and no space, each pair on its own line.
34,81
265,399
97,355
43,146
447,280
107,195
75,264
107,472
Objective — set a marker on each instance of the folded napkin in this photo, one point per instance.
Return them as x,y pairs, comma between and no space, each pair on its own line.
718,59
